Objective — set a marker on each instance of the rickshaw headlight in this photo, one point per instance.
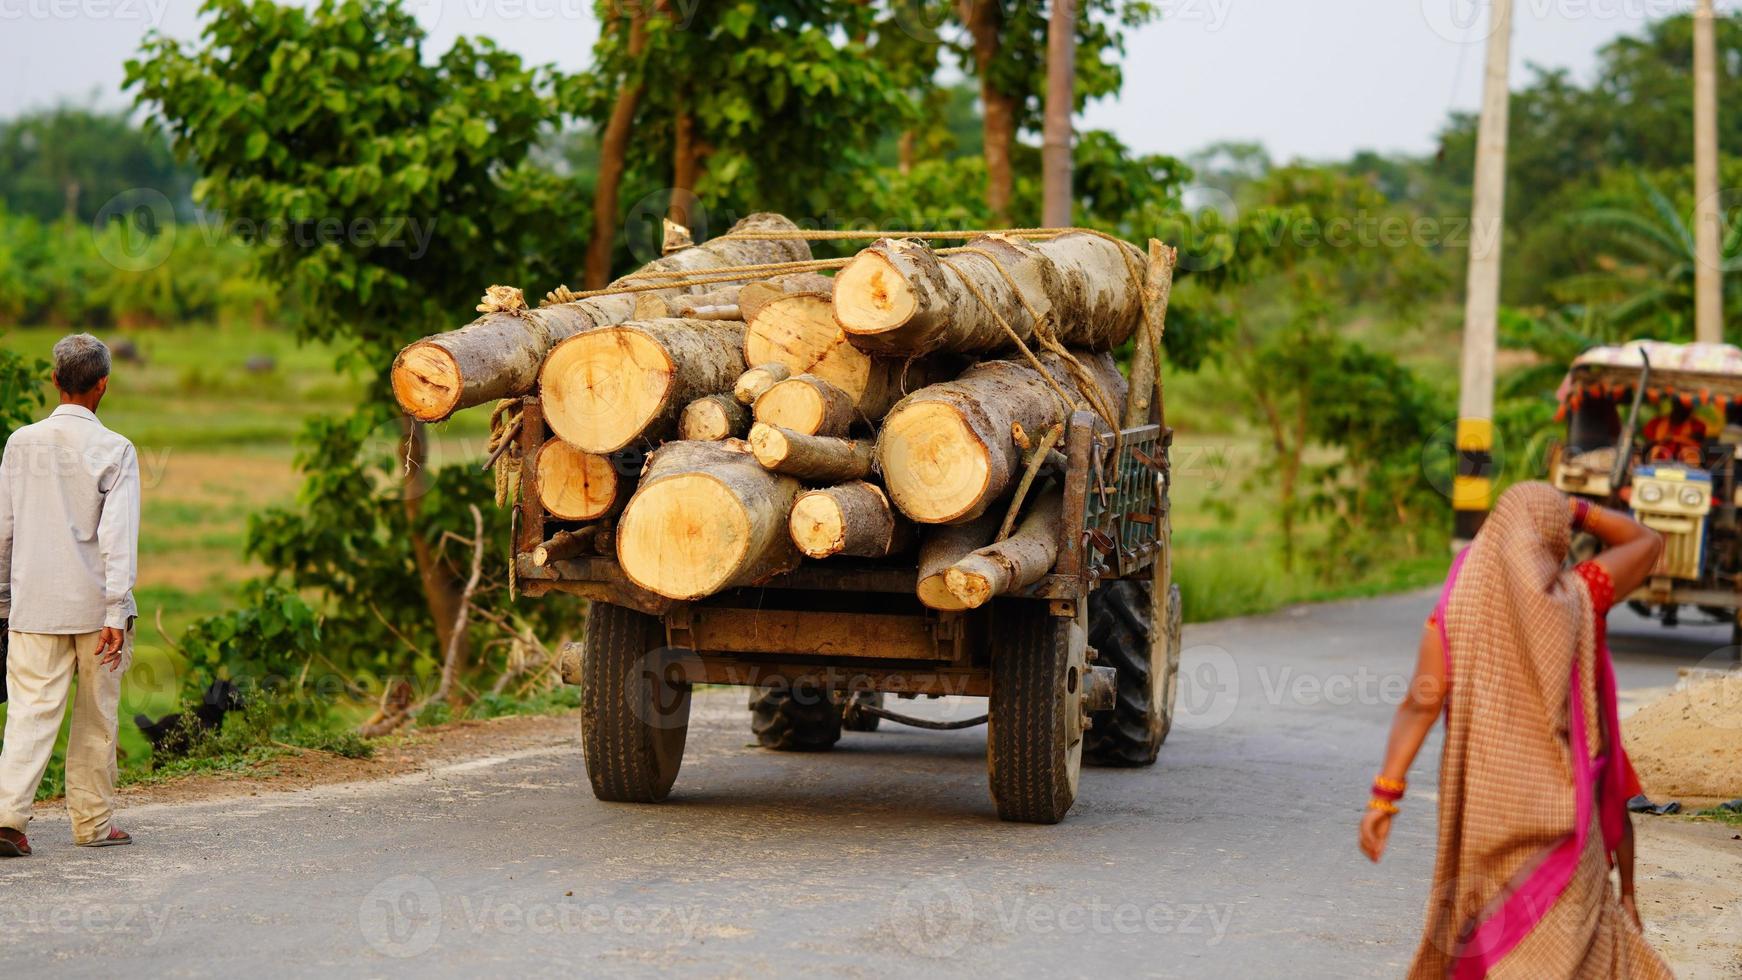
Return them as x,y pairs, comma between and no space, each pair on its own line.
1651,493
1692,497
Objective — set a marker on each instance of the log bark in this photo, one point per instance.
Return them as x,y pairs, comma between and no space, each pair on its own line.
754,383
799,331
940,549
814,459
947,451
851,519
897,297
575,485
707,517
809,405
606,388
1145,367
498,354
712,418
1017,561
573,544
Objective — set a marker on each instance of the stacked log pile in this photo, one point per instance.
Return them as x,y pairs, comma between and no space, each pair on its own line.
904,409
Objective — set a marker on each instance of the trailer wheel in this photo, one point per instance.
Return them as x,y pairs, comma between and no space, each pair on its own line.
1120,614
854,721
635,707
1034,739
805,720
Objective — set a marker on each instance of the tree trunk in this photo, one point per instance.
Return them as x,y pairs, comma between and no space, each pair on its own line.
947,451
707,517
1015,562
898,297
606,388
814,459
441,592
712,418
498,354
984,20
575,485
613,153
1055,145
939,551
799,331
686,169
808,405
754,383
851,519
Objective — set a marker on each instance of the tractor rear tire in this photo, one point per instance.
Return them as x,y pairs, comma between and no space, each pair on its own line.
635,707
1034,738
805,720
1120,617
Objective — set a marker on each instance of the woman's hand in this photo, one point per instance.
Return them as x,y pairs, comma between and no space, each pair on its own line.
1375,831
1632,910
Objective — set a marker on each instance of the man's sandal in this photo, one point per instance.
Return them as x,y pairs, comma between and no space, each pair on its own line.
13,844
117,838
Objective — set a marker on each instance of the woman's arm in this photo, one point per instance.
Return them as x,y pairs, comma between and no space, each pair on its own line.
1630,549
1624,862
1415,718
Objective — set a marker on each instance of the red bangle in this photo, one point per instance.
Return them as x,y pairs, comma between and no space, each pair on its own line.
1581,513
1388,789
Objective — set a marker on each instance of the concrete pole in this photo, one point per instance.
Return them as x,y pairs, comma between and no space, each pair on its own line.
1708,276
1055,140
1473,486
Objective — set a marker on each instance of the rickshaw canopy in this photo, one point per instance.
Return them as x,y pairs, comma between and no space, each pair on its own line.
1694,373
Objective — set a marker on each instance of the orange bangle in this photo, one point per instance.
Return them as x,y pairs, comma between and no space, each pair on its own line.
1394,785
1383,806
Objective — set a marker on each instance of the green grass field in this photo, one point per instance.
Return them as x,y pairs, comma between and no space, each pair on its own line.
216,444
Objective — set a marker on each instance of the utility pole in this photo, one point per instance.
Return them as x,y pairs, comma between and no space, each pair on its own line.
1708,274
1055,141
1473,486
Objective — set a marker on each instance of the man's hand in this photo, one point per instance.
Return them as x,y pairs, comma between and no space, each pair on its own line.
109,646
1375,831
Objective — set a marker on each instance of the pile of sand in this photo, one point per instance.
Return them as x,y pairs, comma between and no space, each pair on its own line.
1687,745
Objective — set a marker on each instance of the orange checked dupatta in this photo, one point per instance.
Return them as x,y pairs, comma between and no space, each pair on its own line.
1532,775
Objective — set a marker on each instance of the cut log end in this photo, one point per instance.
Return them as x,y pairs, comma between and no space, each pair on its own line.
871,297
754,383
934,465
807,405
603,388
973,581
713,418
818,526
426,382
574,485
684,537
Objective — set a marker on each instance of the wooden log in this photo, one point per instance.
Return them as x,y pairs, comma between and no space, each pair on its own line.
941,548
573,544
575,485
851,519
799,331
498,354
713,417
604,389
815,459
752,384
1017,561
707,517
808,405
758,294
948,451
900,297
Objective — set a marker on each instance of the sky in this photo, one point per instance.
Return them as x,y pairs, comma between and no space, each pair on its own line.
1307,78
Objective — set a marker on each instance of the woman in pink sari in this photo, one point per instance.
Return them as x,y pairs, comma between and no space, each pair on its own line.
1533,778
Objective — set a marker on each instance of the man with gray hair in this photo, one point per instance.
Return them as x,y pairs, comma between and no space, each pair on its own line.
69,540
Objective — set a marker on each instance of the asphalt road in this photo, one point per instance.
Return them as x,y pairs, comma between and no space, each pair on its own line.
1234,856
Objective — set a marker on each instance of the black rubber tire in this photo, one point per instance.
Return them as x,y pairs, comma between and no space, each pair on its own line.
862,723
1120,615
1034,736
801,720
635,709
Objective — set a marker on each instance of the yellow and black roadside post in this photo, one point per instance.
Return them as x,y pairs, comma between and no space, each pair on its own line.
1473,483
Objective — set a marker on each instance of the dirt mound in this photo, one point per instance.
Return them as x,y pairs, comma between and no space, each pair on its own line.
1687,745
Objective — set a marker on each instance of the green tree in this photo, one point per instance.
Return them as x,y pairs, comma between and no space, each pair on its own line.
387,185
67,162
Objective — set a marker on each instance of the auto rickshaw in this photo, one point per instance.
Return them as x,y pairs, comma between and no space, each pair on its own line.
1656,428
